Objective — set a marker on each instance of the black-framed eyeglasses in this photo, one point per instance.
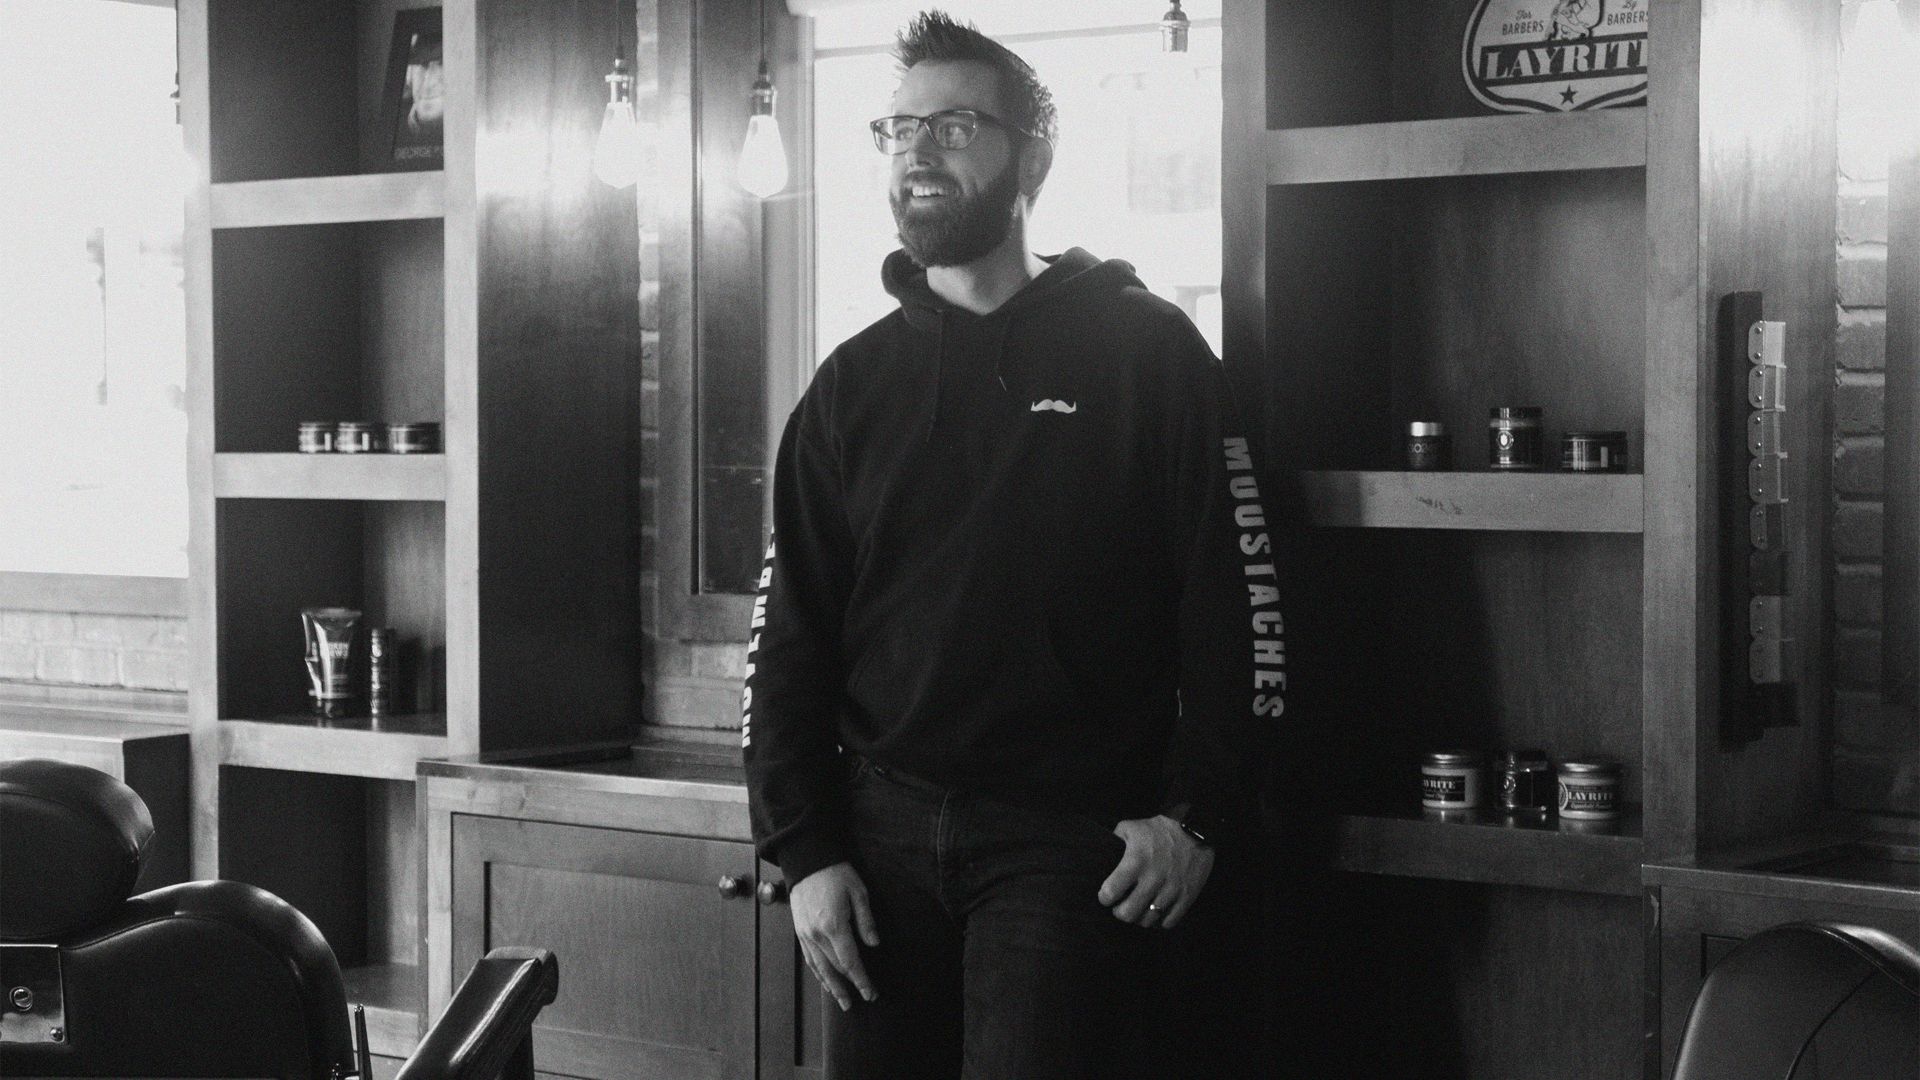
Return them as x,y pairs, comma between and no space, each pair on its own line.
953,129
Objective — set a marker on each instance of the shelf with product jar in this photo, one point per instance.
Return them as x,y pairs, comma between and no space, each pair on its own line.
328,282
1399,250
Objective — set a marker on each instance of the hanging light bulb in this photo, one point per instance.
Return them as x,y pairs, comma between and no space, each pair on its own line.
1173,29
616,156
763,156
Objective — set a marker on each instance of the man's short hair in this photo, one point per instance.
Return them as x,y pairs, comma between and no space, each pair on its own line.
934,35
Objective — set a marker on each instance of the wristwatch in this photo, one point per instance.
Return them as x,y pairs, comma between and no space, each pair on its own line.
1196,822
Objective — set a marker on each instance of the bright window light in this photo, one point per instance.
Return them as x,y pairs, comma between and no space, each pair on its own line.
1136,174
93,423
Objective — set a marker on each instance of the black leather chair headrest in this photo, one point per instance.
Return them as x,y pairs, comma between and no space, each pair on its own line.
72,840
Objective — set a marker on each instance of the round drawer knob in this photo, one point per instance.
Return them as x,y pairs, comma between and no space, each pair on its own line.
772,892
731,887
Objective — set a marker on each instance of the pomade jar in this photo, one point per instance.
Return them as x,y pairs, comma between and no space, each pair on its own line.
1514,438
1429,447
1589,790
1526,782
1452,780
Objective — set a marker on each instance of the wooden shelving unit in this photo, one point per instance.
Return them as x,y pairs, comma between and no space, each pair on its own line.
372,477
1396,252
324,285
1529,502
1546,853
327,200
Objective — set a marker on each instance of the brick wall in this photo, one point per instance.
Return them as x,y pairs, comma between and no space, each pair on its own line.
123,651
1873,747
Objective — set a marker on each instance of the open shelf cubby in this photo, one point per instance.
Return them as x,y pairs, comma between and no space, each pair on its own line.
1440,299
295,87
1382,61
326,322
357,878
385,559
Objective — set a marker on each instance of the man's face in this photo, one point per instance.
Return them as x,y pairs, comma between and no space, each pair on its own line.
967,200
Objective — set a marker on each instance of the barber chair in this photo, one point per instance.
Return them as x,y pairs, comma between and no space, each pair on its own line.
204,979
1807,1001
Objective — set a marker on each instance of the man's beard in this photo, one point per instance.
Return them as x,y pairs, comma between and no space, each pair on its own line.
958,228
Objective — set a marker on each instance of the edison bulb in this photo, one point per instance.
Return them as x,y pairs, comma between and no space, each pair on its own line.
616,157
763,157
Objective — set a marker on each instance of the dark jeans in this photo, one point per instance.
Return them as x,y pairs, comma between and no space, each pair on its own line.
997,960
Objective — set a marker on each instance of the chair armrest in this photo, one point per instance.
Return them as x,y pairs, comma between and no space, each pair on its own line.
490,1020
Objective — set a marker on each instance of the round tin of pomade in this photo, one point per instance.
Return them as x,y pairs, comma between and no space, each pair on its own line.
1589,790
422,437
1452,780
356,437
1594,451
316,437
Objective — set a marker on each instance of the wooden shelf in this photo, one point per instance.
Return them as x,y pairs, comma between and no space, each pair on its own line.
329,200
1489,848
1514,502
391,993
1468,146
373,477
349,746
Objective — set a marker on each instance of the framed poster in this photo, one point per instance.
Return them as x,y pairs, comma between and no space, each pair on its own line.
415,100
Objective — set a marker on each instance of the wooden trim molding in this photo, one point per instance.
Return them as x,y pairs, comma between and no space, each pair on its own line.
94,594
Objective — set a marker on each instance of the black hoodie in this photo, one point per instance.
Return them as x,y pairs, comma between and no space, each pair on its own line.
1019,553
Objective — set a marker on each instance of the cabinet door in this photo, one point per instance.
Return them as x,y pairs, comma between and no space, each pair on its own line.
793,1008
1698,927
656,964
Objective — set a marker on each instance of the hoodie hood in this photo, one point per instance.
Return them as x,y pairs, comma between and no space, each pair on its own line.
1067,275
1074,276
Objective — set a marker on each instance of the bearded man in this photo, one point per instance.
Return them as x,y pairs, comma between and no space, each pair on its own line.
1017,644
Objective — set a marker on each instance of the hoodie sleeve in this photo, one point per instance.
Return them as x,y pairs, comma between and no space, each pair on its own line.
1232,655
795,672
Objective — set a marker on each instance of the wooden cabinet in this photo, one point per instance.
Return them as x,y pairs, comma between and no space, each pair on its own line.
676,948
498,296
658,977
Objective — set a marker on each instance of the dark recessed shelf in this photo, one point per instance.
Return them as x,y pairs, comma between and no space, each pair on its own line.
347,746
1464,146
373,477
1594,857
328,200
391,993
1517,501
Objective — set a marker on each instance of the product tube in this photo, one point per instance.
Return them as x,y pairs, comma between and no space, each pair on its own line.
329,652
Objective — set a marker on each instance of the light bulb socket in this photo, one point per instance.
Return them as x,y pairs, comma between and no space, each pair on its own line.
763,92
1173,29
619,83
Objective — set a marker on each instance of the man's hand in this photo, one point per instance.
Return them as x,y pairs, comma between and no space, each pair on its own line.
828,906
1161,874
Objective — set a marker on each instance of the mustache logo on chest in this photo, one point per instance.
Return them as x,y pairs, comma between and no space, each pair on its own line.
1052,405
